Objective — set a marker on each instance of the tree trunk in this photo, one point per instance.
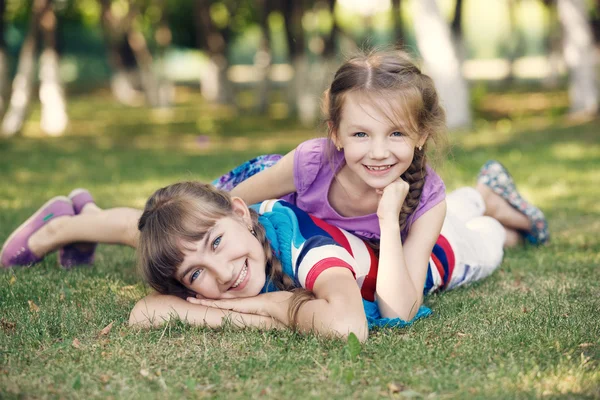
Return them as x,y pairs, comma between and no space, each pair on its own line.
293,12
54,118
3,61
215,85
263,58
163,37
441,62
143,58
579,53
124,79
553,47
397,22
23,81
456,28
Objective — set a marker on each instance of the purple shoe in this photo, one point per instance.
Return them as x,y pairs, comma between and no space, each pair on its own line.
80,253
496,177
16,249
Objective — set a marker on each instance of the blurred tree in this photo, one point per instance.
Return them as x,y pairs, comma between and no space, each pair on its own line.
3,60
163,38
514,45
442,62
553,46
54,117
128,53
24,77
456,27
263,57
213,37
298,98
579,53
397,22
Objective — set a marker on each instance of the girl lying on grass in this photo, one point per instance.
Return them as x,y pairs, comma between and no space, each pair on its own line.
381,113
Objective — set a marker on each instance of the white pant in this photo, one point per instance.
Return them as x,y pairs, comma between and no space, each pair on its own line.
477,241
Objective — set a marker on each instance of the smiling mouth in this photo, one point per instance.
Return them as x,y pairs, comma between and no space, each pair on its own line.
241,276
379,167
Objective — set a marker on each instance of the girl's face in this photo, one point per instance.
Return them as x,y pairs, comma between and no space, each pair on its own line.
229,262
376,152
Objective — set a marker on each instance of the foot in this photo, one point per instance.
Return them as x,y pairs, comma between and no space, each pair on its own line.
16,250
513,238
80,253
496,177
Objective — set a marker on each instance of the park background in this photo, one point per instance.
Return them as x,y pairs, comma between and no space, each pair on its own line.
126,96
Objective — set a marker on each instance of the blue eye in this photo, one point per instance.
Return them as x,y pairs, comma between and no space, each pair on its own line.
216,242
397,134
360,134
195,275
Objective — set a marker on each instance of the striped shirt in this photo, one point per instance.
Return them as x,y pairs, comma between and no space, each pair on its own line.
311,246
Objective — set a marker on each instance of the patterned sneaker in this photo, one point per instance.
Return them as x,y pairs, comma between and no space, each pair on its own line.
496,177
16,250
80,253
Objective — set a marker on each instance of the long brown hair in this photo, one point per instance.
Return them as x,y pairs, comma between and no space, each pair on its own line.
407,96
184,212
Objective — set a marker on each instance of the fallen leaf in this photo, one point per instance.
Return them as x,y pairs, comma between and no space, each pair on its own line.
7,325
76,343
586,344
106,330
395,387
32,306
266,391
104,378
13,279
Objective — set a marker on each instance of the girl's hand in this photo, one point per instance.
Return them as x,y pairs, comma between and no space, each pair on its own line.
272,304
392,198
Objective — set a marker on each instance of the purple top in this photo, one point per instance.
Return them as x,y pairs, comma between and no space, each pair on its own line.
313,174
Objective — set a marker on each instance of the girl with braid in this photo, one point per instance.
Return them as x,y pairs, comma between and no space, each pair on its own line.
382,113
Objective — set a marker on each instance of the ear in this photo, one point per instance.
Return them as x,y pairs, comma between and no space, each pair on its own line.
240,209
333,134
422,140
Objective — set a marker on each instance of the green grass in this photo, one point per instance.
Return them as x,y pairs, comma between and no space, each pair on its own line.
531,330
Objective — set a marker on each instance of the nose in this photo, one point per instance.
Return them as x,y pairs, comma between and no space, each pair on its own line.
379,149
222,271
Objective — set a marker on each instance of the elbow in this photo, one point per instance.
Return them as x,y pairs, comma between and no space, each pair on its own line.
356,324
361,330
136,317
140,314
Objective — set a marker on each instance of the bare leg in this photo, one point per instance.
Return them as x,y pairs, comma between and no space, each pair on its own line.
498,208
114,226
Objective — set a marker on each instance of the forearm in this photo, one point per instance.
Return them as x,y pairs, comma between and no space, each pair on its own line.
155,310
397,295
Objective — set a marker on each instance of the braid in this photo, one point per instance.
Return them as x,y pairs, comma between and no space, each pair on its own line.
415,177
275,274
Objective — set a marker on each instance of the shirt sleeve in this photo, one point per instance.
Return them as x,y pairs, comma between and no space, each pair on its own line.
308,160
318,254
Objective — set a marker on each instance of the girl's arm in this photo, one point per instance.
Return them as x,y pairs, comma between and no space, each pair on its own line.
403,266
156,309
271,183
336,311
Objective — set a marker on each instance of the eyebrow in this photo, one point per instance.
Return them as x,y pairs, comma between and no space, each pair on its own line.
359,128
204,244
